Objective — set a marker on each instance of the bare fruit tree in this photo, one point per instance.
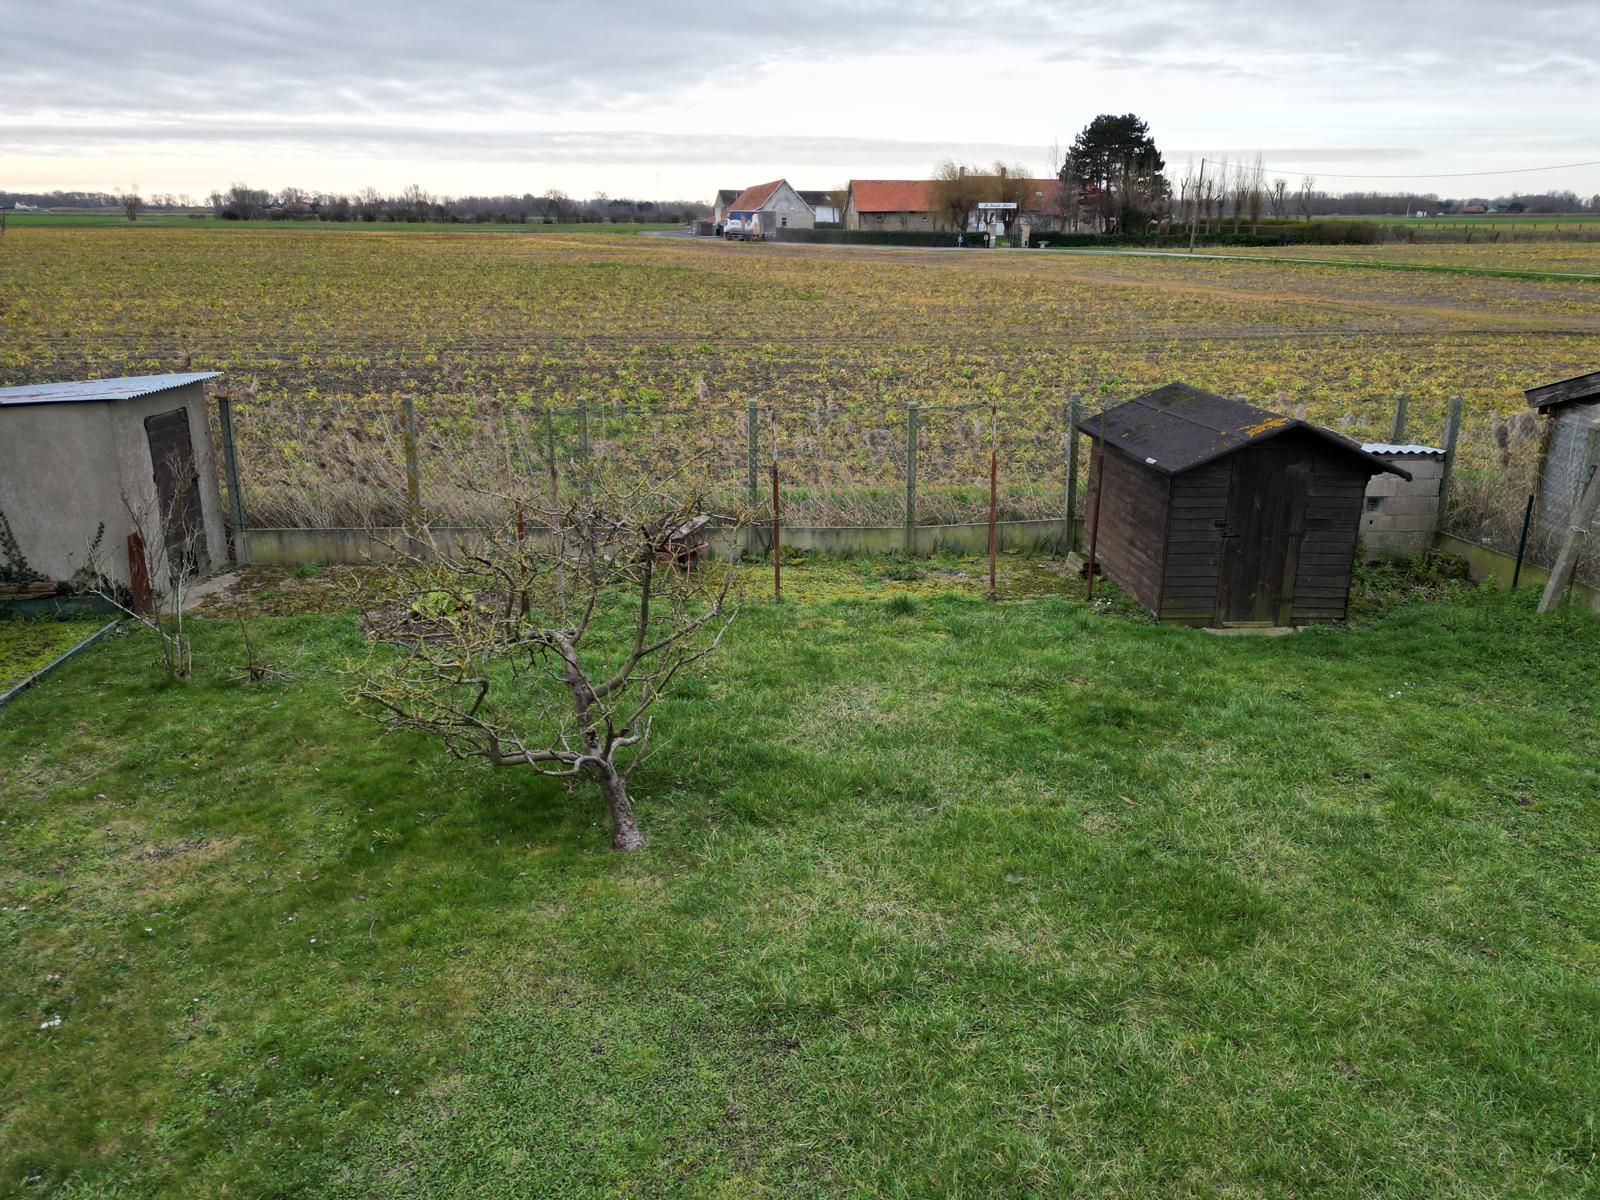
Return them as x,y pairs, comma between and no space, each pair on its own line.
546,643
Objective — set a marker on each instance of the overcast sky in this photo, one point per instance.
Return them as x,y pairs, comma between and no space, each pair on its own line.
673,100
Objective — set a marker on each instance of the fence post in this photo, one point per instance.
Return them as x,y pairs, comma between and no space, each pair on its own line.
230,465
1452,433
1074,418
913,415
752,444
1397,430
583,430
413,478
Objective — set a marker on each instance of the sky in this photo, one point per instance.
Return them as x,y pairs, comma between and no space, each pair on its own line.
673,101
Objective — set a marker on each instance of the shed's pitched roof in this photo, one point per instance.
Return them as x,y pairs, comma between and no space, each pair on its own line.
1177,428
129,387
752,198
891,195
1579,387
817,198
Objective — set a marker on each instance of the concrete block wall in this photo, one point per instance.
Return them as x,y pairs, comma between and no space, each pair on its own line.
1400,516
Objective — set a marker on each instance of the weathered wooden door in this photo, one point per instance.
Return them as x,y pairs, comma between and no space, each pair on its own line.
1261,540
182,520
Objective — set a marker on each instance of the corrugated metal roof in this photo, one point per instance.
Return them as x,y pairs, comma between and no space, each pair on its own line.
1413,450
1177,428
129,387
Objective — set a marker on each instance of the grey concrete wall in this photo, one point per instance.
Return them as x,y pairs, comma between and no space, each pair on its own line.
59,478
65,468
1400,517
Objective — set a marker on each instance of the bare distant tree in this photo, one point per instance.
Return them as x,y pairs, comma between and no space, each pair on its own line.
244,202
954,193
130,202
1308,185
1279,193
1255,192
1007,184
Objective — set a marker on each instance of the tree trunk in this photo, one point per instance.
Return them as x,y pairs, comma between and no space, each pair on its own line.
625,834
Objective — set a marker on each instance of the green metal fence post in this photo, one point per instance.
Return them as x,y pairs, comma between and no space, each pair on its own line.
230,465
913,417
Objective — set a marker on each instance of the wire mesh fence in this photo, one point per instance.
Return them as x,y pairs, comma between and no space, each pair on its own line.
336,464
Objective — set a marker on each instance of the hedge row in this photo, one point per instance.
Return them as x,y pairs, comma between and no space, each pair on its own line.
878,237
1289,233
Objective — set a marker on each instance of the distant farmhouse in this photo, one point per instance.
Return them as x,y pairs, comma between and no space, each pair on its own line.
894,205
910,204
778,204
890,204
719,206
824,207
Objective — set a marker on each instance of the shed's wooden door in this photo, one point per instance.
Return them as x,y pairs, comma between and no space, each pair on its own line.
1261,540
177,488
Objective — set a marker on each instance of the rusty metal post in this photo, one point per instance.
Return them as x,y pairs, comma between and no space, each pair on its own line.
752,417
408,408
230,466
139,575
993,473
913,415
1074,419
555,506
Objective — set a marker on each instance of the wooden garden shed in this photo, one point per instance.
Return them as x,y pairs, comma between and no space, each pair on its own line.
1211,511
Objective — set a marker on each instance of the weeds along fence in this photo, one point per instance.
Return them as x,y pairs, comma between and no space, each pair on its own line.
455,461
908,475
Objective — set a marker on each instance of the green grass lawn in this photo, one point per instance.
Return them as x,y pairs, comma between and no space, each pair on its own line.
26,644
965,900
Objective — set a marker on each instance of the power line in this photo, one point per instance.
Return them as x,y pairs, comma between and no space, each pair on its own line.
1452,175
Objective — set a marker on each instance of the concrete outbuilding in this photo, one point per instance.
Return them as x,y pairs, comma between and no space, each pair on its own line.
76,455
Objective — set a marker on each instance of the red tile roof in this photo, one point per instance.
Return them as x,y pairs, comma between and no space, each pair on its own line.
753,198
891,195
916,195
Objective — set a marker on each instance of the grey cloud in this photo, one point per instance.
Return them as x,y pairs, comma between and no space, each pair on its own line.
639,147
